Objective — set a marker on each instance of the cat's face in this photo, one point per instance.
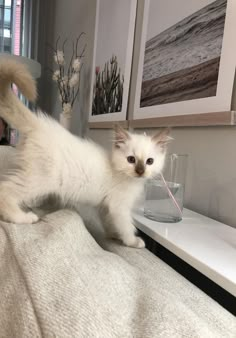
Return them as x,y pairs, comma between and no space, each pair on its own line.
138,155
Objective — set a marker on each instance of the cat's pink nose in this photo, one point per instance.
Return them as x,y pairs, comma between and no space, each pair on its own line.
139,171
139,168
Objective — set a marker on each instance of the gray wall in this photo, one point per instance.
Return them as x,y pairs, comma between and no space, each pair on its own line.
66,19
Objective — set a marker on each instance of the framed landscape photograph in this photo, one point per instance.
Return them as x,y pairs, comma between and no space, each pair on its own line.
187,59
113,48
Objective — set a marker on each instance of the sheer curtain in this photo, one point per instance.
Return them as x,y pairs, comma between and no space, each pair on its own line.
30,20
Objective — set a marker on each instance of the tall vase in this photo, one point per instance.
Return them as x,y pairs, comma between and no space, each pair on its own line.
65,121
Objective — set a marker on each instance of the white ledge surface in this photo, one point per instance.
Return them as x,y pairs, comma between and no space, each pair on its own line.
207,245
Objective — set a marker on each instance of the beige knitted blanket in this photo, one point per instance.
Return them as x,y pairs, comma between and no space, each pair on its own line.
57,281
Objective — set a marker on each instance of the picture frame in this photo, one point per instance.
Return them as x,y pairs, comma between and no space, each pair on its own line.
113,50
215,109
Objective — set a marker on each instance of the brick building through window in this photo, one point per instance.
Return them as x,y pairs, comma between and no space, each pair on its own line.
10,26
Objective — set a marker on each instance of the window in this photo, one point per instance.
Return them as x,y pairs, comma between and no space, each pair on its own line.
11,27
16,35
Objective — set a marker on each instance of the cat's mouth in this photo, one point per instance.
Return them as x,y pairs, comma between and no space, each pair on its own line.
140,175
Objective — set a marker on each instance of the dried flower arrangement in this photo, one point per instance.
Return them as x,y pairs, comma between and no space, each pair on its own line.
67,76
108,89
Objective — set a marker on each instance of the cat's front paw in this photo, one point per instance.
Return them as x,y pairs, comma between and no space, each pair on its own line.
21,218
30,218
134,242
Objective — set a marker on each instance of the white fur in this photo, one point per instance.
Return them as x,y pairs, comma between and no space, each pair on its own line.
52,161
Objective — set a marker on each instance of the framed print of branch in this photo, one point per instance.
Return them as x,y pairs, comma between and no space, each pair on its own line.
113,48
186,62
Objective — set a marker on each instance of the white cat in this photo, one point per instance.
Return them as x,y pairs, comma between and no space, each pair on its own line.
50,160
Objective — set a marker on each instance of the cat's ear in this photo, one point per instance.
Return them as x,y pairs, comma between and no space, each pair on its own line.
163,138
121,135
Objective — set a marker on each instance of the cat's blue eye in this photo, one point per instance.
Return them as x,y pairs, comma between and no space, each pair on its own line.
150,161
131,159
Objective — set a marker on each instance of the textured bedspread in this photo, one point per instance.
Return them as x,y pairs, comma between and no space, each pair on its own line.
57,281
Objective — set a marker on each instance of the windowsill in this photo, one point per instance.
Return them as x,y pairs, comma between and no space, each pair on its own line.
205,244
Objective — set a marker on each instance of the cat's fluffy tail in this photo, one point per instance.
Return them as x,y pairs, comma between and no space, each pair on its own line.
11,108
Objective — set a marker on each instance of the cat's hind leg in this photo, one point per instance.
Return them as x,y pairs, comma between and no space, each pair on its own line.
12,194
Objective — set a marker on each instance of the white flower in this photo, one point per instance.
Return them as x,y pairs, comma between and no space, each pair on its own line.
76,65
74,80
56,75
59,57
67,109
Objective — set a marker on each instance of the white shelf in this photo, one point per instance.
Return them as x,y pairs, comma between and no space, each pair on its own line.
207,245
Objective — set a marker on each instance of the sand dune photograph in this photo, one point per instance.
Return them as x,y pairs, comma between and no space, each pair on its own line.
181,61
